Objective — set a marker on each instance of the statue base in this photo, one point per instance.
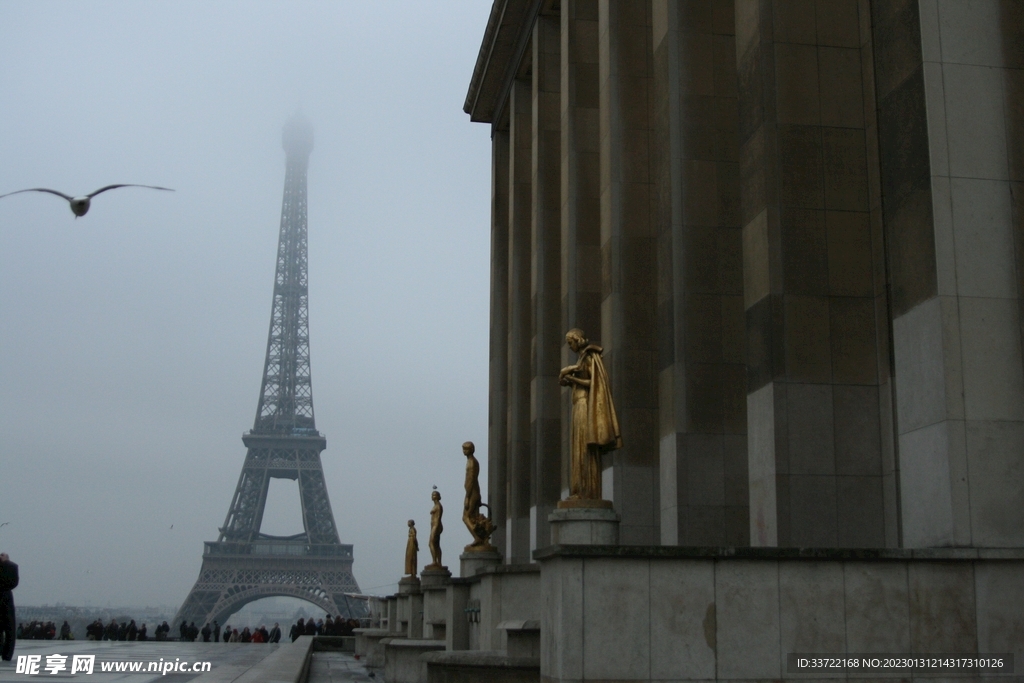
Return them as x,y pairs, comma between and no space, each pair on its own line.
434,576
586,503
470,561
583,523
408,585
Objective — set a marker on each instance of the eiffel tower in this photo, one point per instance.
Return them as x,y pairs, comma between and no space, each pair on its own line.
244,564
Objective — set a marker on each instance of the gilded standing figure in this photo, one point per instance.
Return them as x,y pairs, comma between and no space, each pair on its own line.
480,526
412,546
595,427
434,540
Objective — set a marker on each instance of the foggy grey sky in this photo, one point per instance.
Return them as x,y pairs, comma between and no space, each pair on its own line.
132,340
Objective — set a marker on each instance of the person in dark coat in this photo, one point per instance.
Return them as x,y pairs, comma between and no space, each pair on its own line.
275,634
310,627
8,582
65,630
133,630
183,630
207,632
142,632
216,631
161,631
297,630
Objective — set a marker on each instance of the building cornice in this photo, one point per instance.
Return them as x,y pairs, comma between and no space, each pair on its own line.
505,40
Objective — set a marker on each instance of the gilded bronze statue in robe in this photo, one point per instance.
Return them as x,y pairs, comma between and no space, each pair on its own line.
480,526
595,427
412,546
434,540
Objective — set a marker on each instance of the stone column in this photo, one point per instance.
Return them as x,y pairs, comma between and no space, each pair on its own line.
950,122
817,386
497,410
548,334
580,188
701,353
517,539
628,263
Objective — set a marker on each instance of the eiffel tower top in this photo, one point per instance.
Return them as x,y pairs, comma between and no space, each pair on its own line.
297,138
286,395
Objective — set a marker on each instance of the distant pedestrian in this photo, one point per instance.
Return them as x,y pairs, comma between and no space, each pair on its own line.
207,632
142,632
133,630
65,630
275,634
162,630
216,631
8,582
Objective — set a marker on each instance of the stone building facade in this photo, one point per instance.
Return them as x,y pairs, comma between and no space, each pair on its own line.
797,229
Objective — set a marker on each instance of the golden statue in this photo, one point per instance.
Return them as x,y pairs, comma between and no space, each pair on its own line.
434,540
595,428
411,548
480,526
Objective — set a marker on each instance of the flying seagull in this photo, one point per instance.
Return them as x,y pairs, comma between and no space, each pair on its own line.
80,205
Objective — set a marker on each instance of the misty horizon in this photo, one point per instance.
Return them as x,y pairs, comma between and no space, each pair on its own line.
134,337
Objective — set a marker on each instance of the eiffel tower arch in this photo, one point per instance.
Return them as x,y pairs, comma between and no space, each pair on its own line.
244,564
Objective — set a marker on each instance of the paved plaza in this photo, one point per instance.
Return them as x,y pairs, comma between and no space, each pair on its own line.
225,658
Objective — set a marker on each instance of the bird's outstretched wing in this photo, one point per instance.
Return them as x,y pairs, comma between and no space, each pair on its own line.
38,189
114,187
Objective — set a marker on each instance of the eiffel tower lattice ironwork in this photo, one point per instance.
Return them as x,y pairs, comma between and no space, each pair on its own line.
244,564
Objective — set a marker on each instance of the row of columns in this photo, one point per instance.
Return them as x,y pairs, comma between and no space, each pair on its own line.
707,189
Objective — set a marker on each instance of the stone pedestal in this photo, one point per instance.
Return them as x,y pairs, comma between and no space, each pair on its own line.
470,561
410,607
432,577
584,522
408,585
434,584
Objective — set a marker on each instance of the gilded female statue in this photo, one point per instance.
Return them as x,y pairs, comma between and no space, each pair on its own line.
595,428
412,546
434,540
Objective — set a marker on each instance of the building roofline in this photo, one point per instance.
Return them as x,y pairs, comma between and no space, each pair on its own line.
499,56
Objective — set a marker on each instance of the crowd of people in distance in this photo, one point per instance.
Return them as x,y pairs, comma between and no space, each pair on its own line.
128,630
38,630
304,627
331,627
114,631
